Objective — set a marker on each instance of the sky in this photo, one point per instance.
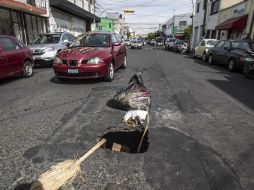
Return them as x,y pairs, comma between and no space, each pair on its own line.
148,13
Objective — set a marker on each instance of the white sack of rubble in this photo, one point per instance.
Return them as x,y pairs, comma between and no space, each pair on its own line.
133,114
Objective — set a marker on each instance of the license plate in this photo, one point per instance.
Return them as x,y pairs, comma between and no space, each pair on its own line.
73,71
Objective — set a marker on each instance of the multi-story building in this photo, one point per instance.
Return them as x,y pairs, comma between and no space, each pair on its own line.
233,19
223,19
177,24
106,25
74,16
205,20
24,19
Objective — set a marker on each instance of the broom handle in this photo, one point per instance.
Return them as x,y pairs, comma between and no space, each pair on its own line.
92,150
141,141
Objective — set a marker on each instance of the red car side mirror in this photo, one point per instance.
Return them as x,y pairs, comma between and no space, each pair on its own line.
116,44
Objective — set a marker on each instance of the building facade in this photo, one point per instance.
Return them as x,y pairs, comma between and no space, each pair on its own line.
223,19
233,20
74,16
106,25
24,19
176,25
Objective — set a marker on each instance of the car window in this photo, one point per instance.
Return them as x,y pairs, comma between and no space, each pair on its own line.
119,39
220,44
226,45
210,42
70,37
8,44
47,39
65,37
114,38
202,43
241,45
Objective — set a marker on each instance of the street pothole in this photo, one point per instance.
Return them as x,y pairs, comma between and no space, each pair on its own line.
126,140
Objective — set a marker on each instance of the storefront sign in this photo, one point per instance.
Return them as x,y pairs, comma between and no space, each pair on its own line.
239,10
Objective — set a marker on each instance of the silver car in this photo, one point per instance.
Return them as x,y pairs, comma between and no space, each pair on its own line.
46,46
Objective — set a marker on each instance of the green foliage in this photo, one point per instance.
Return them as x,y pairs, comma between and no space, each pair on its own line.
154,35
188,32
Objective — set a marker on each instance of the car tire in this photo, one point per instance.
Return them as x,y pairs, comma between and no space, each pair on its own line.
204,57
248,71
124,63
110,73
210,59
194,54
28,69
231,65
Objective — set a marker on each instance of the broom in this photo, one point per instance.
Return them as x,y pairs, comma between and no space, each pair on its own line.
146,128
62,173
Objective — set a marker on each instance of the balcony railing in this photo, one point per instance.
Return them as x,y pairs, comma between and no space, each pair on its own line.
36,3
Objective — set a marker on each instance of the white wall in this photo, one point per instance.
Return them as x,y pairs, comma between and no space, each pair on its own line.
211,20
198,22
63,22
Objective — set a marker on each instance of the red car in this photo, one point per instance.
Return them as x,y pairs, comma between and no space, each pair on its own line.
91,55
15,58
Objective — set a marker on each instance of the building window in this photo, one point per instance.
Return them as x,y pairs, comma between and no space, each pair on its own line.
182,23
198,5
215,7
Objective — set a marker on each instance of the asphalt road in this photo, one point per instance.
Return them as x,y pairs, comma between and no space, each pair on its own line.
200,137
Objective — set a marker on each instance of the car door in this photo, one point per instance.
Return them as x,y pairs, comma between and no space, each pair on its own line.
201,48
116,52
217,51
225,52
121,50
11,57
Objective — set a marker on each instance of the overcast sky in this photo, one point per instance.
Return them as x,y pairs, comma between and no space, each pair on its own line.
146,11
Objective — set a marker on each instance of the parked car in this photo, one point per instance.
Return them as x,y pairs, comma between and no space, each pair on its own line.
235,54
185,48
169,44
178,45
46,46
136,44
201,50
91,55
153,42
159,41
127,42
15,58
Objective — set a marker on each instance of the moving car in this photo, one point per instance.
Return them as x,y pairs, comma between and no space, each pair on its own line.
169,44
15,58
136,44
202,49
46,46
127,42
91,55
235,54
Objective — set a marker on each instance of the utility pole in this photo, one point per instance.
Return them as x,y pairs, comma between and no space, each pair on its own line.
173,23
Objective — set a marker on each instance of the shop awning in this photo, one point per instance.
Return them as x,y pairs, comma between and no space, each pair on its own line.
233,23
68,7
23,7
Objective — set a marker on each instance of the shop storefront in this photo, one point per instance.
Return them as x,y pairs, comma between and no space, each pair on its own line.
23,25
233,21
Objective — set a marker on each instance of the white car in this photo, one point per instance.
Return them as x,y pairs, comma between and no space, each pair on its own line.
136,44
202,49
169,44
127,42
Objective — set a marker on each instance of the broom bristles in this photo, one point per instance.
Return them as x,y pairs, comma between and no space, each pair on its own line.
58,176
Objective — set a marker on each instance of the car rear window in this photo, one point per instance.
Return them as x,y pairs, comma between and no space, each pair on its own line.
241,45
180,42
210,42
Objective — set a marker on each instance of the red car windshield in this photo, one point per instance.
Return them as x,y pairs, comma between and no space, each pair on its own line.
91,40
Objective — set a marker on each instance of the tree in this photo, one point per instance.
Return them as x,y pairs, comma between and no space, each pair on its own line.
153,35
188,32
